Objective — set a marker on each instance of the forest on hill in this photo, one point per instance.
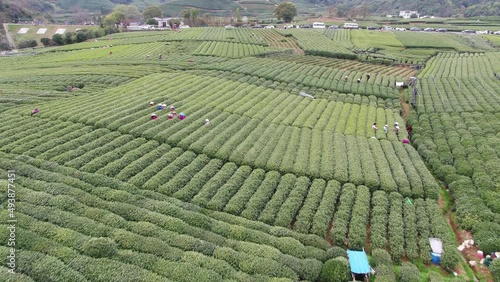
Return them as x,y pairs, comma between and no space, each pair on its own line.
46,9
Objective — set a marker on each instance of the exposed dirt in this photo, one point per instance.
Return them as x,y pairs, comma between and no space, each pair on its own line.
328,234
468,254
406,108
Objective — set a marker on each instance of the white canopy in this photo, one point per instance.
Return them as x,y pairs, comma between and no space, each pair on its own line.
436,245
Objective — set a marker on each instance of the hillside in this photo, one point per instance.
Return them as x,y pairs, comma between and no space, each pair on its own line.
275,184
47,9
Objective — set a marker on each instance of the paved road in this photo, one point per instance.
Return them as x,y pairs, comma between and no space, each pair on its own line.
9,37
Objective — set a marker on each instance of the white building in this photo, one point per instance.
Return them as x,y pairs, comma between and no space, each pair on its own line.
163,22
407,14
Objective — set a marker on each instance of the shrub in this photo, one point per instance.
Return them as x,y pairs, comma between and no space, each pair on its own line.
336,251
495,269
100,247
385,274
46,41
408,273
58,39
27,44
434,277
4,44
486,236
335,270
381,257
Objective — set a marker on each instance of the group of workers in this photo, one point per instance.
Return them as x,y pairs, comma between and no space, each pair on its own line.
346,78
161,107
172,114
396,130
160,57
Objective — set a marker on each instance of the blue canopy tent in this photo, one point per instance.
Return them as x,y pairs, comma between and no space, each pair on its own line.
358,262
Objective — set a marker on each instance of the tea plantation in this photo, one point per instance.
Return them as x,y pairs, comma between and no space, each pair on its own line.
277,183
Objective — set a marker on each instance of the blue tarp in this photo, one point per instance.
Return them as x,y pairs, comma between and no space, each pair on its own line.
358,262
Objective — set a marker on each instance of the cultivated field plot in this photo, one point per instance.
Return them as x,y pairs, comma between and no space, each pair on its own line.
457,134
226,49
316,43
273,187
239,35
379,85
366,39
402,73
433,40
340,36
277,40
460,82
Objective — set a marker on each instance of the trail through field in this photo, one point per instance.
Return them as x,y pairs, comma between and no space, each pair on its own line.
9,37
328,234
406,108
468,254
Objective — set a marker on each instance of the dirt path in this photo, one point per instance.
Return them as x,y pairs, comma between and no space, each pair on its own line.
329,234
8,35
406,108
468,254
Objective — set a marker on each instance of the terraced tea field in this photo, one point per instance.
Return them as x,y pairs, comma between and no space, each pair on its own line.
274,187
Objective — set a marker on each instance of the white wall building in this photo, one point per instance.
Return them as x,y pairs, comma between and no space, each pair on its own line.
163,22
407,14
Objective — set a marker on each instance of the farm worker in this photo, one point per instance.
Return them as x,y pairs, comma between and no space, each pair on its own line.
359,80
153,116
409,128
406,141
487,261
147,57
160,57
367,77
346,78
35,111
161,106
174,113
396,127
374,127
170,116
386,129
207,122
190,61
151,103
172,108
182,116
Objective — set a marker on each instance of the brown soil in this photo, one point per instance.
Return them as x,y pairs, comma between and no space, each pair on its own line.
328,234
406,108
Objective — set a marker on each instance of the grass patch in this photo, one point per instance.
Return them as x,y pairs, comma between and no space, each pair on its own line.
375,39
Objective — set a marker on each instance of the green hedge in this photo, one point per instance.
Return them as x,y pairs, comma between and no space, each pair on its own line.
335,270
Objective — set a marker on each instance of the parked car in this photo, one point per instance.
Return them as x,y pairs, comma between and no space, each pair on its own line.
269,26
372,28
429,29
244,25
400,29
415,29
482,32
441,30
468,31
497,32
229,26
257,26
306,26
333,27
